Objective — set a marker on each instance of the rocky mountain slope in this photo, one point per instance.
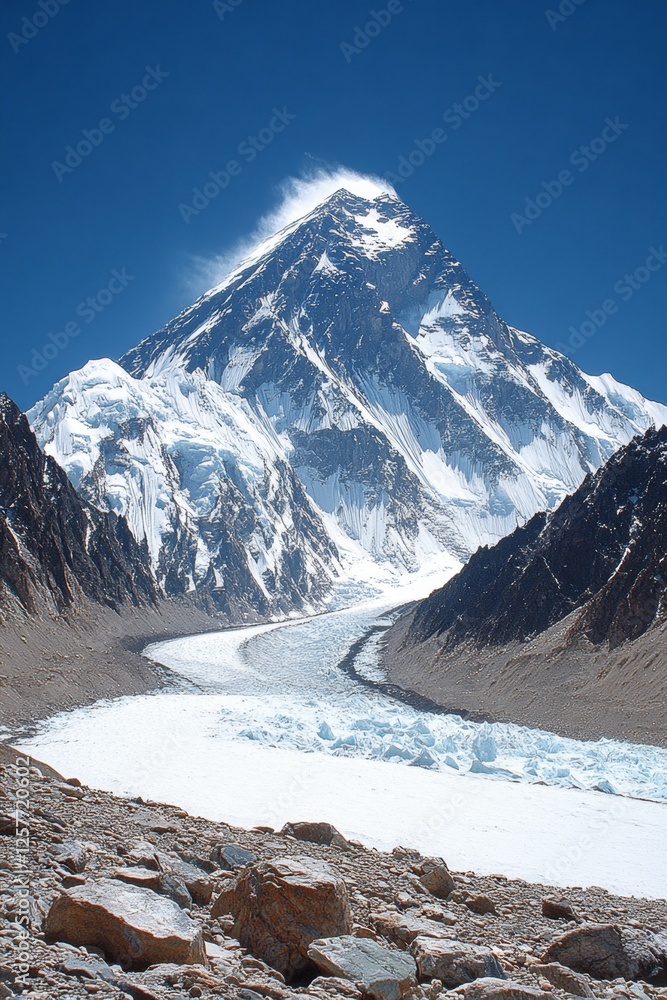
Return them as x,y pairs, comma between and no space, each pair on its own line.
55,547
77,593
350,396
185,907
568,611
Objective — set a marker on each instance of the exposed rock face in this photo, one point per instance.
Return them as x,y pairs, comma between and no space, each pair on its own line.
281,906
454,962
376,970
55,547
133,926
606,951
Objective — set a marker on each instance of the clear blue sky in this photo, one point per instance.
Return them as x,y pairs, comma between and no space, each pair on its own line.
62,236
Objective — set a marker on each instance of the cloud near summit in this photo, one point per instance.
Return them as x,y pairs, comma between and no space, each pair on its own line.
297,197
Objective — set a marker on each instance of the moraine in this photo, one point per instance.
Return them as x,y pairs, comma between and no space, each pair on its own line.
265,727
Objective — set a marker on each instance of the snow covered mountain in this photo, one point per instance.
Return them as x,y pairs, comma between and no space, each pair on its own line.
346,395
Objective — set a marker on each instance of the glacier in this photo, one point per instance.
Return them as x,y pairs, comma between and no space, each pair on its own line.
345,397
264,727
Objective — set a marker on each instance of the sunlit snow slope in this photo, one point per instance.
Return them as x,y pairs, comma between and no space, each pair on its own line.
347,394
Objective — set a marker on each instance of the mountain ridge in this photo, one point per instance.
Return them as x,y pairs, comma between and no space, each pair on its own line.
565,619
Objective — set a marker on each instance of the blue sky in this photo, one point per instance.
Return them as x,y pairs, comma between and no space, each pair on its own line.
169,92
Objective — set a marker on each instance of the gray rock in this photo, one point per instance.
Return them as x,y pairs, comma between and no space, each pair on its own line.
454,962
194,878
377,971
315,833
231,857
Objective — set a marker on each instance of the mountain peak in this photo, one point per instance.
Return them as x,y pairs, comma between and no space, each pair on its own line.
347,395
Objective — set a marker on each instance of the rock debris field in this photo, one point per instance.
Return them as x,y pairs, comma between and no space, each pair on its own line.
105,896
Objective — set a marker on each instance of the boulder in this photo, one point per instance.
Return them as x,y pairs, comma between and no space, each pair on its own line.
565,979
558,909
281,906
72,855
143,854
231,857
377,971
480,904
315,833
133,926
607,951
336,986
454,962
160,882
403,928
489,988
438,880
194,878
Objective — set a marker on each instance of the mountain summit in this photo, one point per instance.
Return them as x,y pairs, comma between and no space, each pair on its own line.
346,395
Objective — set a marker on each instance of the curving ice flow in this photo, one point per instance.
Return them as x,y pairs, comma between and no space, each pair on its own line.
265,728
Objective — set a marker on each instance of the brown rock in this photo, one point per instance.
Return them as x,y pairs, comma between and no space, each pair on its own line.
480,904
454,962
282,906
403,928
564,979
489,988
133,926
315,833
438,880
558,909
607,951
336,986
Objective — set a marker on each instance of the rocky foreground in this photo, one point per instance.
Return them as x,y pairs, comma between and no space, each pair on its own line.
102,896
